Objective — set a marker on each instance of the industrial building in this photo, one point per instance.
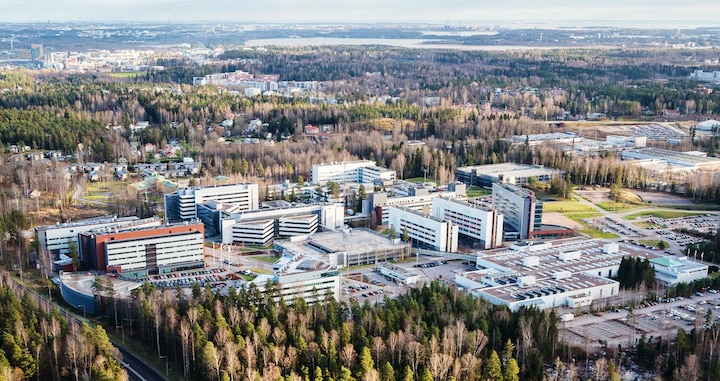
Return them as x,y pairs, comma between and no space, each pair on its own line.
424,230
138,251
182,205
571,272
507,173
362,171
521,210
279,219
667,161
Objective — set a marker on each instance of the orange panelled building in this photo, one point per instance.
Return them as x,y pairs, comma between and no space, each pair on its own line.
138,252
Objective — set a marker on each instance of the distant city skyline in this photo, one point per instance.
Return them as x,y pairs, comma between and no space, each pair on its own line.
640,13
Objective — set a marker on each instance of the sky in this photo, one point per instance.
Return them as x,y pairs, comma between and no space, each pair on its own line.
489,12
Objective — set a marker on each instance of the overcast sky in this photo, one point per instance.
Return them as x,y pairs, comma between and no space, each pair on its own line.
662,12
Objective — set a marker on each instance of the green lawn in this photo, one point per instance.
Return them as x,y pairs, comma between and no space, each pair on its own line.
477,192
616,206
595,233
567,207
260,271
665,214
420,180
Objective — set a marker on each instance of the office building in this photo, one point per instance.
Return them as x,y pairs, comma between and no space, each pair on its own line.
277,219
507,173
56,239
423,230
362,171
480,223
521,210
411,196
670,270
182,205
136,252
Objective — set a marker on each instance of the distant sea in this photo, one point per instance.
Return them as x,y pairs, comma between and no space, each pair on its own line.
398,42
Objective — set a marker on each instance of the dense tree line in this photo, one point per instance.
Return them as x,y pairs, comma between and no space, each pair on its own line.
430,333
39,344
636,272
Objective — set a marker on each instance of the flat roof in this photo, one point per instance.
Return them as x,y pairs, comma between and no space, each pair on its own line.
520,170
354,241
82,283
506,265
89,221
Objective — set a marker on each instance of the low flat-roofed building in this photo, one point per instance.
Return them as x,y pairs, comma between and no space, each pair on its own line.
570,272
350,247
662,160
310,277
512,173
397,274
671,270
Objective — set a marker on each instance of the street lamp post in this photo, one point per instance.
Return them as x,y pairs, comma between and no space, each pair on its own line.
83,308
167,369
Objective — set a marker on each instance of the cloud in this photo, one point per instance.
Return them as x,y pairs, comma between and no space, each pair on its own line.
268,11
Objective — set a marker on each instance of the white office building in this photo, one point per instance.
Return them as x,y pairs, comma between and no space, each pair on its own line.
181,205
362,171
423,229
56,238
281,220
670,271
478,222
523,213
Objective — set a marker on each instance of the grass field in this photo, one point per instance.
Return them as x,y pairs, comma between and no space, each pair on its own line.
665,214
616,206
595,233
126,74
477,192
420,180
567,207
578,212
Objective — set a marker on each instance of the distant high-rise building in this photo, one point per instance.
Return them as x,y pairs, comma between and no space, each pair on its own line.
36,52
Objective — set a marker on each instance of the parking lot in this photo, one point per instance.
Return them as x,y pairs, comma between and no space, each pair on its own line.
652,319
